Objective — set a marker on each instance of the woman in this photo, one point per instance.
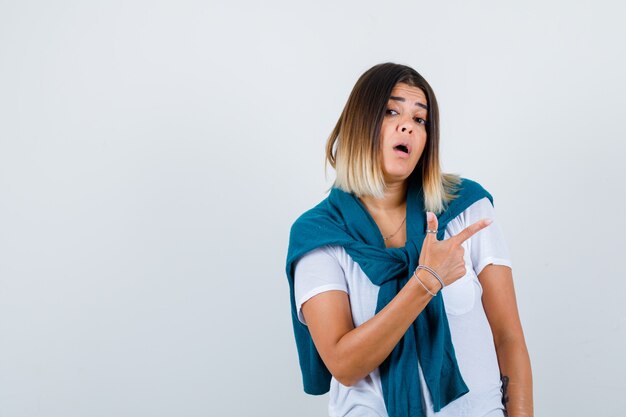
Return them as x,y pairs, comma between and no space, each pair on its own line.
401,284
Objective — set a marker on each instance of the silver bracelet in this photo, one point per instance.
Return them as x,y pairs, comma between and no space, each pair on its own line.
432,271
420,281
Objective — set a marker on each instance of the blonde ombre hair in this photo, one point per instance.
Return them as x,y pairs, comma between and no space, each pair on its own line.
353,147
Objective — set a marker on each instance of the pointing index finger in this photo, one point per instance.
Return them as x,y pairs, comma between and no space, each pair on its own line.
471,230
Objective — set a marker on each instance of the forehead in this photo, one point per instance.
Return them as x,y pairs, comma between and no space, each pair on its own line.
409,93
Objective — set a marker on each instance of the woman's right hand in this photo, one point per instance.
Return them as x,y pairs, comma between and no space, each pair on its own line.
446,256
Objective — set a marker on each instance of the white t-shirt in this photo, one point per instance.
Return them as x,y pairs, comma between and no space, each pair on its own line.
331,268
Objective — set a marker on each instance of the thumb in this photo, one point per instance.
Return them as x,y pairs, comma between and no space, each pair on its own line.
431,224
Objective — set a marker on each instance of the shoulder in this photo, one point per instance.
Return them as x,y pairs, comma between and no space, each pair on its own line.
472,190
321,255
480,209
316,227
313,218
466,194
475,201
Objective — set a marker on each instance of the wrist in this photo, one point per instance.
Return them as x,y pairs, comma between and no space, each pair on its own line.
428,282
432,273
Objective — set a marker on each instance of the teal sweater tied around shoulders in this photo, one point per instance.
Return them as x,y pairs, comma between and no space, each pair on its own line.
341,219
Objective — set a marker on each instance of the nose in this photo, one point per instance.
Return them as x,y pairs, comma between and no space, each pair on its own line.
405,127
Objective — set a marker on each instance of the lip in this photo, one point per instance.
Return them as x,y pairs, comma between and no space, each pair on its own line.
400,153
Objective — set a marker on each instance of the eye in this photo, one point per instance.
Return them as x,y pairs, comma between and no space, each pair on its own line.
420,121
391,112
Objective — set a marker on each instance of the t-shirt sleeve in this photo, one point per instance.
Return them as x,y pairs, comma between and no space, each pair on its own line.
316,272
488,246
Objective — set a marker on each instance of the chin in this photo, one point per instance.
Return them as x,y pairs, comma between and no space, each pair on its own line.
396,176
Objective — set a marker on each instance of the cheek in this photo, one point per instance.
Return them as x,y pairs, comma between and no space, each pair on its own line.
385,139
386,132
421,144
417,156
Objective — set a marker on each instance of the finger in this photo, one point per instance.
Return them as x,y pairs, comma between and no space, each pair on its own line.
431,224
471,230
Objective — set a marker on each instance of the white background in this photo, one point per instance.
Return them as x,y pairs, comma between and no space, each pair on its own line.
153,156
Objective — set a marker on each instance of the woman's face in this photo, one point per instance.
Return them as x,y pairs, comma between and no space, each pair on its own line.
403,132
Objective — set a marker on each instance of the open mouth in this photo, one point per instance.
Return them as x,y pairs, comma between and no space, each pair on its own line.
401,148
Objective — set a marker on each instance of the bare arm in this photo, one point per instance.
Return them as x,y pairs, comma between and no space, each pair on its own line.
501,310
351,353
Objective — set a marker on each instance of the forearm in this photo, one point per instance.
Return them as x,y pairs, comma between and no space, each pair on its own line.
517,377
365,347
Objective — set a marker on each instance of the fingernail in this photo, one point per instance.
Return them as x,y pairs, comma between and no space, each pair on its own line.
488,221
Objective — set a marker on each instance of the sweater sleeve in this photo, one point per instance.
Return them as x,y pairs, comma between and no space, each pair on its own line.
488,246
316,272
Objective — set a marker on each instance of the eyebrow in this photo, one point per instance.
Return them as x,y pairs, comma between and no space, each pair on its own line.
417,103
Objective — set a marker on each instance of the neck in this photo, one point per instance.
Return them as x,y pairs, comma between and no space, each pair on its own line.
394,199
